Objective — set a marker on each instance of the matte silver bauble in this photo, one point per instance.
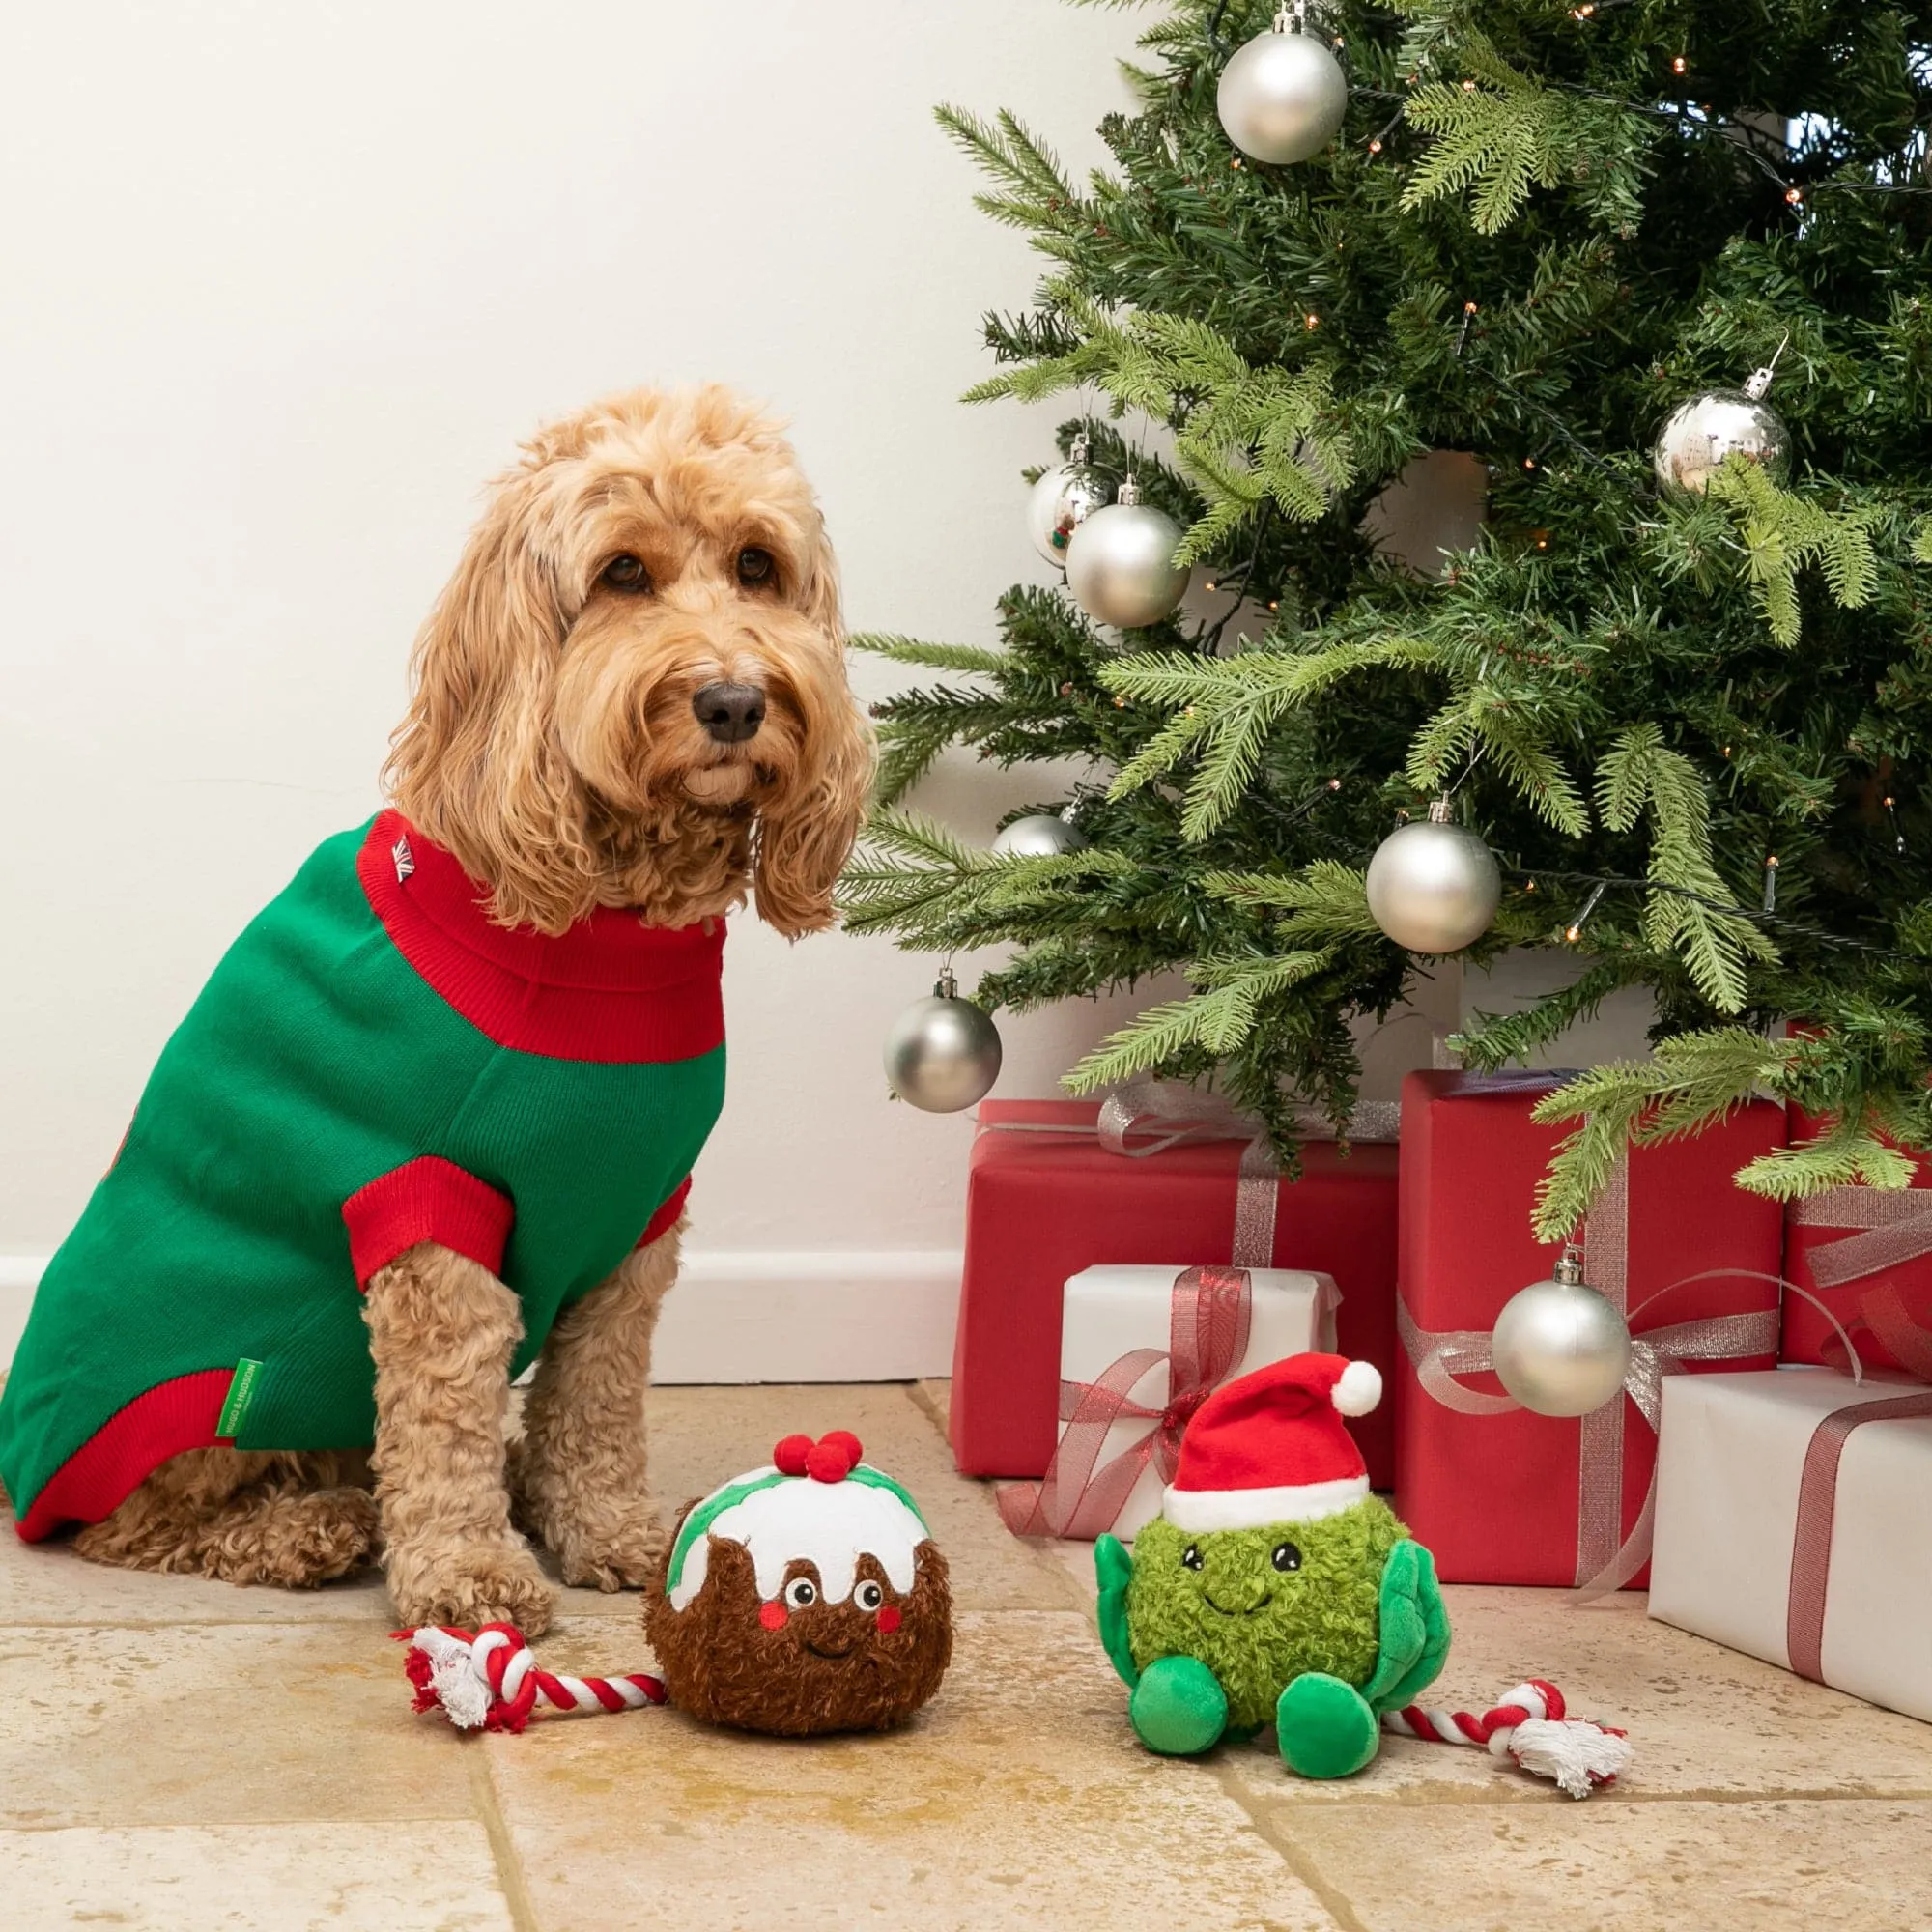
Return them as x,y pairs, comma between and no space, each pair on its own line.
1062,500
1121,567
1040,835
1433,887
1283,96
1559,1347
1721,423
943,1054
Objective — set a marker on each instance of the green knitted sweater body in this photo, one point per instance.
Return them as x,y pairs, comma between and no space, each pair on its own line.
371,1065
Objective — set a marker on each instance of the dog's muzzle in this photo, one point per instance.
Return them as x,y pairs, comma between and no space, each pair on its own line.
731,713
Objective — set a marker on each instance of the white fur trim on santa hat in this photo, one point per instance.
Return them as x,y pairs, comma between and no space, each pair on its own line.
1358,1389
1203,1511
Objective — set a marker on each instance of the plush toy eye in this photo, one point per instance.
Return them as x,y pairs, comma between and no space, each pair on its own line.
1192,1557
801,1593
626,572
1285,1557
868,1595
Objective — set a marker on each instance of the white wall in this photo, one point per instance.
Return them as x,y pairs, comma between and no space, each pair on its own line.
284,286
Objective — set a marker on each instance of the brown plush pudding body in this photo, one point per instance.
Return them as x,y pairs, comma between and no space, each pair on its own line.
797,1666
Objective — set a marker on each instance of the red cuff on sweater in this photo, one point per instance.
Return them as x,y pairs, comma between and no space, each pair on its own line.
426,1200
666,1218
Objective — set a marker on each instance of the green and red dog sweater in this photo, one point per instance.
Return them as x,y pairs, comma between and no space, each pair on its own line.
374,1064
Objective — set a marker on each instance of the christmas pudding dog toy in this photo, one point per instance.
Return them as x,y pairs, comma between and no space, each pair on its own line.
1274,1588
801,1598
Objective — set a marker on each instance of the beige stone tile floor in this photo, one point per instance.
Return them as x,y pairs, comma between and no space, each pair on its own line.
182,1754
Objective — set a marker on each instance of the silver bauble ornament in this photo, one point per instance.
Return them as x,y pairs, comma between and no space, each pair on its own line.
1434,886
943,1054
1062,500
1700,434
1559,1347
1040,834
1283,96
1120,565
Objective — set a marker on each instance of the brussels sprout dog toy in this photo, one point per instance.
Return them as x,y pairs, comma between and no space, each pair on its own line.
801,1598
1274,1588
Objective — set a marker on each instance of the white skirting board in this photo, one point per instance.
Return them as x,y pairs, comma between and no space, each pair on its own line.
748,1317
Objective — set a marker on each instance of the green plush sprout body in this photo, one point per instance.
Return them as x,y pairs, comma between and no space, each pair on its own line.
1317,1623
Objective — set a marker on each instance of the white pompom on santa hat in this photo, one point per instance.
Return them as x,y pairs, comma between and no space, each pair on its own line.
1272,1447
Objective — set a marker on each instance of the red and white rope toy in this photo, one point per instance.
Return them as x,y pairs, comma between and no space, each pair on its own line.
490,1681
1529,1726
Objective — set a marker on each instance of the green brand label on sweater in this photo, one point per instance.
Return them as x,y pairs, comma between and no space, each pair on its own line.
240,1393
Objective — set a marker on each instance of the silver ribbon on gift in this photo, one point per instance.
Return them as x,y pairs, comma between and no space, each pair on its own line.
1147,1117
1604,1562
1896,1224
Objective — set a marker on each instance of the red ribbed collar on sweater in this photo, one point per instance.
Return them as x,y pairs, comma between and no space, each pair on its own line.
609,989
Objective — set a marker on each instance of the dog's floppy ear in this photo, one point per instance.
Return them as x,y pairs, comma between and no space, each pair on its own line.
804,840
475,763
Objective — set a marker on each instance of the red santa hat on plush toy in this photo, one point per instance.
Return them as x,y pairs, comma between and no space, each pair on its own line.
1272,1448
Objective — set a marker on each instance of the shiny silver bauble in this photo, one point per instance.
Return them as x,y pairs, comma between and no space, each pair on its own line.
1434,886
943,1054
1121,567
1559,1347
1062,500
1040,834
1281,98
1700,434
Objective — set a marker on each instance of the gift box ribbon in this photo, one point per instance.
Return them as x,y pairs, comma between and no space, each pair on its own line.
1209,1311
1893,1225
1604,1563
1160,1113
1817,1507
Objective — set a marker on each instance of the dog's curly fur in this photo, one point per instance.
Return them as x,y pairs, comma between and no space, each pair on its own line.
552,746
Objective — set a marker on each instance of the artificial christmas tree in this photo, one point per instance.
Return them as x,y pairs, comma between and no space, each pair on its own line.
1690,721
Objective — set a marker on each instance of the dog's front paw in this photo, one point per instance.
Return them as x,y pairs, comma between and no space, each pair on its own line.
601,1545
467,1584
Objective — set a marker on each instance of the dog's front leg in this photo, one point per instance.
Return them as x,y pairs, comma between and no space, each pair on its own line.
579,1469
443,1329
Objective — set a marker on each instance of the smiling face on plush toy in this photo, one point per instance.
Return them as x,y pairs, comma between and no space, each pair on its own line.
1260,1607
802,1598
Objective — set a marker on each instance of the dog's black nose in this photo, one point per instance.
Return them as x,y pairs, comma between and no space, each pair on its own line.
731,713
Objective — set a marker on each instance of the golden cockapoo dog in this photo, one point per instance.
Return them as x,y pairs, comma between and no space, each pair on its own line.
630,712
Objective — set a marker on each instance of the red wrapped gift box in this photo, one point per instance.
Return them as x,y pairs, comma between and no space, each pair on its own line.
1521,1498
1866,1254
1040,1206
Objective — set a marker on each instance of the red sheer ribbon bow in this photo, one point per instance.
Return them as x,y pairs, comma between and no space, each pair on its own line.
1208,1334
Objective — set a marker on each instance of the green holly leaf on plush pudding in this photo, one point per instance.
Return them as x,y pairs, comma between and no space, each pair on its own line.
1273,1587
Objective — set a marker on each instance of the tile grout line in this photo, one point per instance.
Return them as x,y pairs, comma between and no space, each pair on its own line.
1299,1863
502,1849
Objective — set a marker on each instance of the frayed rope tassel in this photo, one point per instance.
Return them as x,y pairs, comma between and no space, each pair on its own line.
1529,1726
490,1681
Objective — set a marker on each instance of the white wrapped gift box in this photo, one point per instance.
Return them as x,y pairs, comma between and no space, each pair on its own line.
1109,1312
1730,1464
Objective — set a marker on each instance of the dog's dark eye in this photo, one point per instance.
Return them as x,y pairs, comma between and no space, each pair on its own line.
1191,1559
1285,1557
754,565
626,572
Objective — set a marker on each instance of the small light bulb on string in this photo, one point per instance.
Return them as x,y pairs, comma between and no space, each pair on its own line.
1771,882
1679,65
1310,322
1539,538
1574,931
1468,87
1529,463
1468,317
1898,837
1795,196
1375,145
